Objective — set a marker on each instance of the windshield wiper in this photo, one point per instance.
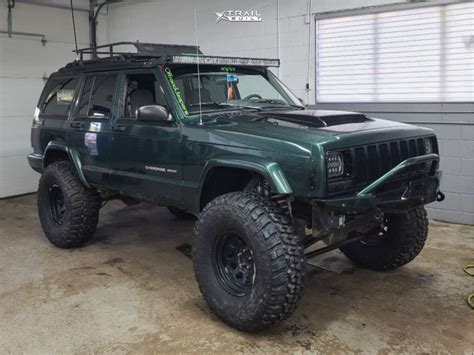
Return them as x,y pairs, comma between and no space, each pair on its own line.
224,104
205,104
278,102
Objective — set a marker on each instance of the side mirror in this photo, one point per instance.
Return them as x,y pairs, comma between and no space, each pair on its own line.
153,113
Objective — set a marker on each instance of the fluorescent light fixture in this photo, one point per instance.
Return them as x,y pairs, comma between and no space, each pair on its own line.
193,59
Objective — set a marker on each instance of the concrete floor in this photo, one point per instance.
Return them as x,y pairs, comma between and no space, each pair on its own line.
130,290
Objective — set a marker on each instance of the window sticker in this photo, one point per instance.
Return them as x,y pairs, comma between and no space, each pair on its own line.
90,141
64,97
228,69
95,126
174,87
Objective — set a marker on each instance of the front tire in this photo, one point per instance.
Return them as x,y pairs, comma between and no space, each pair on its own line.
68,211
401,240
248,262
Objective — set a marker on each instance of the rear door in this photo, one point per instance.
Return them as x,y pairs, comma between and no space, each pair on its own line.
145,159
54,109
90,126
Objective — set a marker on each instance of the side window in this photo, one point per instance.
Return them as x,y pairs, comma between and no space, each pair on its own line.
60,93
142,89
97,96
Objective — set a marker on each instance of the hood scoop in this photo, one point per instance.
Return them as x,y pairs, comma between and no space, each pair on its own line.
316,119
343,119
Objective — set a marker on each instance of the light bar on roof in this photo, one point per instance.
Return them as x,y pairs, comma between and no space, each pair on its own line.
192,59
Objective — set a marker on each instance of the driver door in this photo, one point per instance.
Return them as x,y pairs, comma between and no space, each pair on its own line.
145,156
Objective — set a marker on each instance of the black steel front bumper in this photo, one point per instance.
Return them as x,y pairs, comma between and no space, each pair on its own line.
368,205
412,193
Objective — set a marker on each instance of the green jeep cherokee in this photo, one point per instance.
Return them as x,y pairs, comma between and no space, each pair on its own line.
222,140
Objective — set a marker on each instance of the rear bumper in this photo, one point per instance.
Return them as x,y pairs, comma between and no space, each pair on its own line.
36,162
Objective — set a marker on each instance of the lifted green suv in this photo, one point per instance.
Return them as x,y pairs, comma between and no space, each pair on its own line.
222,140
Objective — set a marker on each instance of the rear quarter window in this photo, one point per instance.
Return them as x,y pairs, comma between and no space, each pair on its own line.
59,94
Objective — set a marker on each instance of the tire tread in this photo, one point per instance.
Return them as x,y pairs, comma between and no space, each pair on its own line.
84,212
411,234
281,244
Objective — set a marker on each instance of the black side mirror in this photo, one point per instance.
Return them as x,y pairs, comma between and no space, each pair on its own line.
153,113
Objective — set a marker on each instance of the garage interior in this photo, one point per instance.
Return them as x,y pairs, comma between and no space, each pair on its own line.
133,289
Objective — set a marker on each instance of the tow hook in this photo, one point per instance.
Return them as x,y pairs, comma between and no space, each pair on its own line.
440,196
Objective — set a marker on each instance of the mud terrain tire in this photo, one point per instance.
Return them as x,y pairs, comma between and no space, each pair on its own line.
68,211
404,239
244,237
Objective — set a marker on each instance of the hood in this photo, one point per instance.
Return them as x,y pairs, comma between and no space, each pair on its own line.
326,121
308,127
290,123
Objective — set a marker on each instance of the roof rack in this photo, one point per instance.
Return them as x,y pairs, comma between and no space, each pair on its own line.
142,50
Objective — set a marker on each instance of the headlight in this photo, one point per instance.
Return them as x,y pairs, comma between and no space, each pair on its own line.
428,146
335,164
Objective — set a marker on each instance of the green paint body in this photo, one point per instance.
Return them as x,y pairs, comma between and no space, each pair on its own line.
168,162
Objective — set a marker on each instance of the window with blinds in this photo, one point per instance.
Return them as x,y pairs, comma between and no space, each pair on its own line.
416,55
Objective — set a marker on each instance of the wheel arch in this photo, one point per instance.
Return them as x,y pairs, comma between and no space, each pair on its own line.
56,150
242,171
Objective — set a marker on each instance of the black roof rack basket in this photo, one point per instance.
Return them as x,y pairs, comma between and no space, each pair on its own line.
142,50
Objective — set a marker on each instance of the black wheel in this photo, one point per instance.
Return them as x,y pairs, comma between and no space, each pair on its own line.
180,214
68,211
248,263
399,241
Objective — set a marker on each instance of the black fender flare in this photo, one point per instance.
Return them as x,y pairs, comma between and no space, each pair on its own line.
73,155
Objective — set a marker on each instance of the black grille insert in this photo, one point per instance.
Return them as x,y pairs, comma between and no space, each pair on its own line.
371,161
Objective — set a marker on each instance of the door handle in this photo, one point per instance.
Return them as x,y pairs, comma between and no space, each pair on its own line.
77,125
119,128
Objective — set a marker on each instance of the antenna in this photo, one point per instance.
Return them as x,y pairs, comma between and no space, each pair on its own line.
74,25
198,72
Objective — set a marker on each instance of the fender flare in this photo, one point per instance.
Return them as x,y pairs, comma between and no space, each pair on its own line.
270,170
73,157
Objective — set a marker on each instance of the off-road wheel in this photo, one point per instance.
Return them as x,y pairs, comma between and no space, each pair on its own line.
180,214
68,211
248,262
399,241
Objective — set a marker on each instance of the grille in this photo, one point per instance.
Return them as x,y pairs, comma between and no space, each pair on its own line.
368,162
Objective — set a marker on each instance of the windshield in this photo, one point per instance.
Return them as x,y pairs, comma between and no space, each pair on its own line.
228,88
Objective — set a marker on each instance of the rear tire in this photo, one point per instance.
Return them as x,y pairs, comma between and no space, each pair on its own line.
400,243
68,211
248,262
180,214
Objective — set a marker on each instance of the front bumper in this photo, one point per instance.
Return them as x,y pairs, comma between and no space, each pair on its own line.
412,193
36,162
369,204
